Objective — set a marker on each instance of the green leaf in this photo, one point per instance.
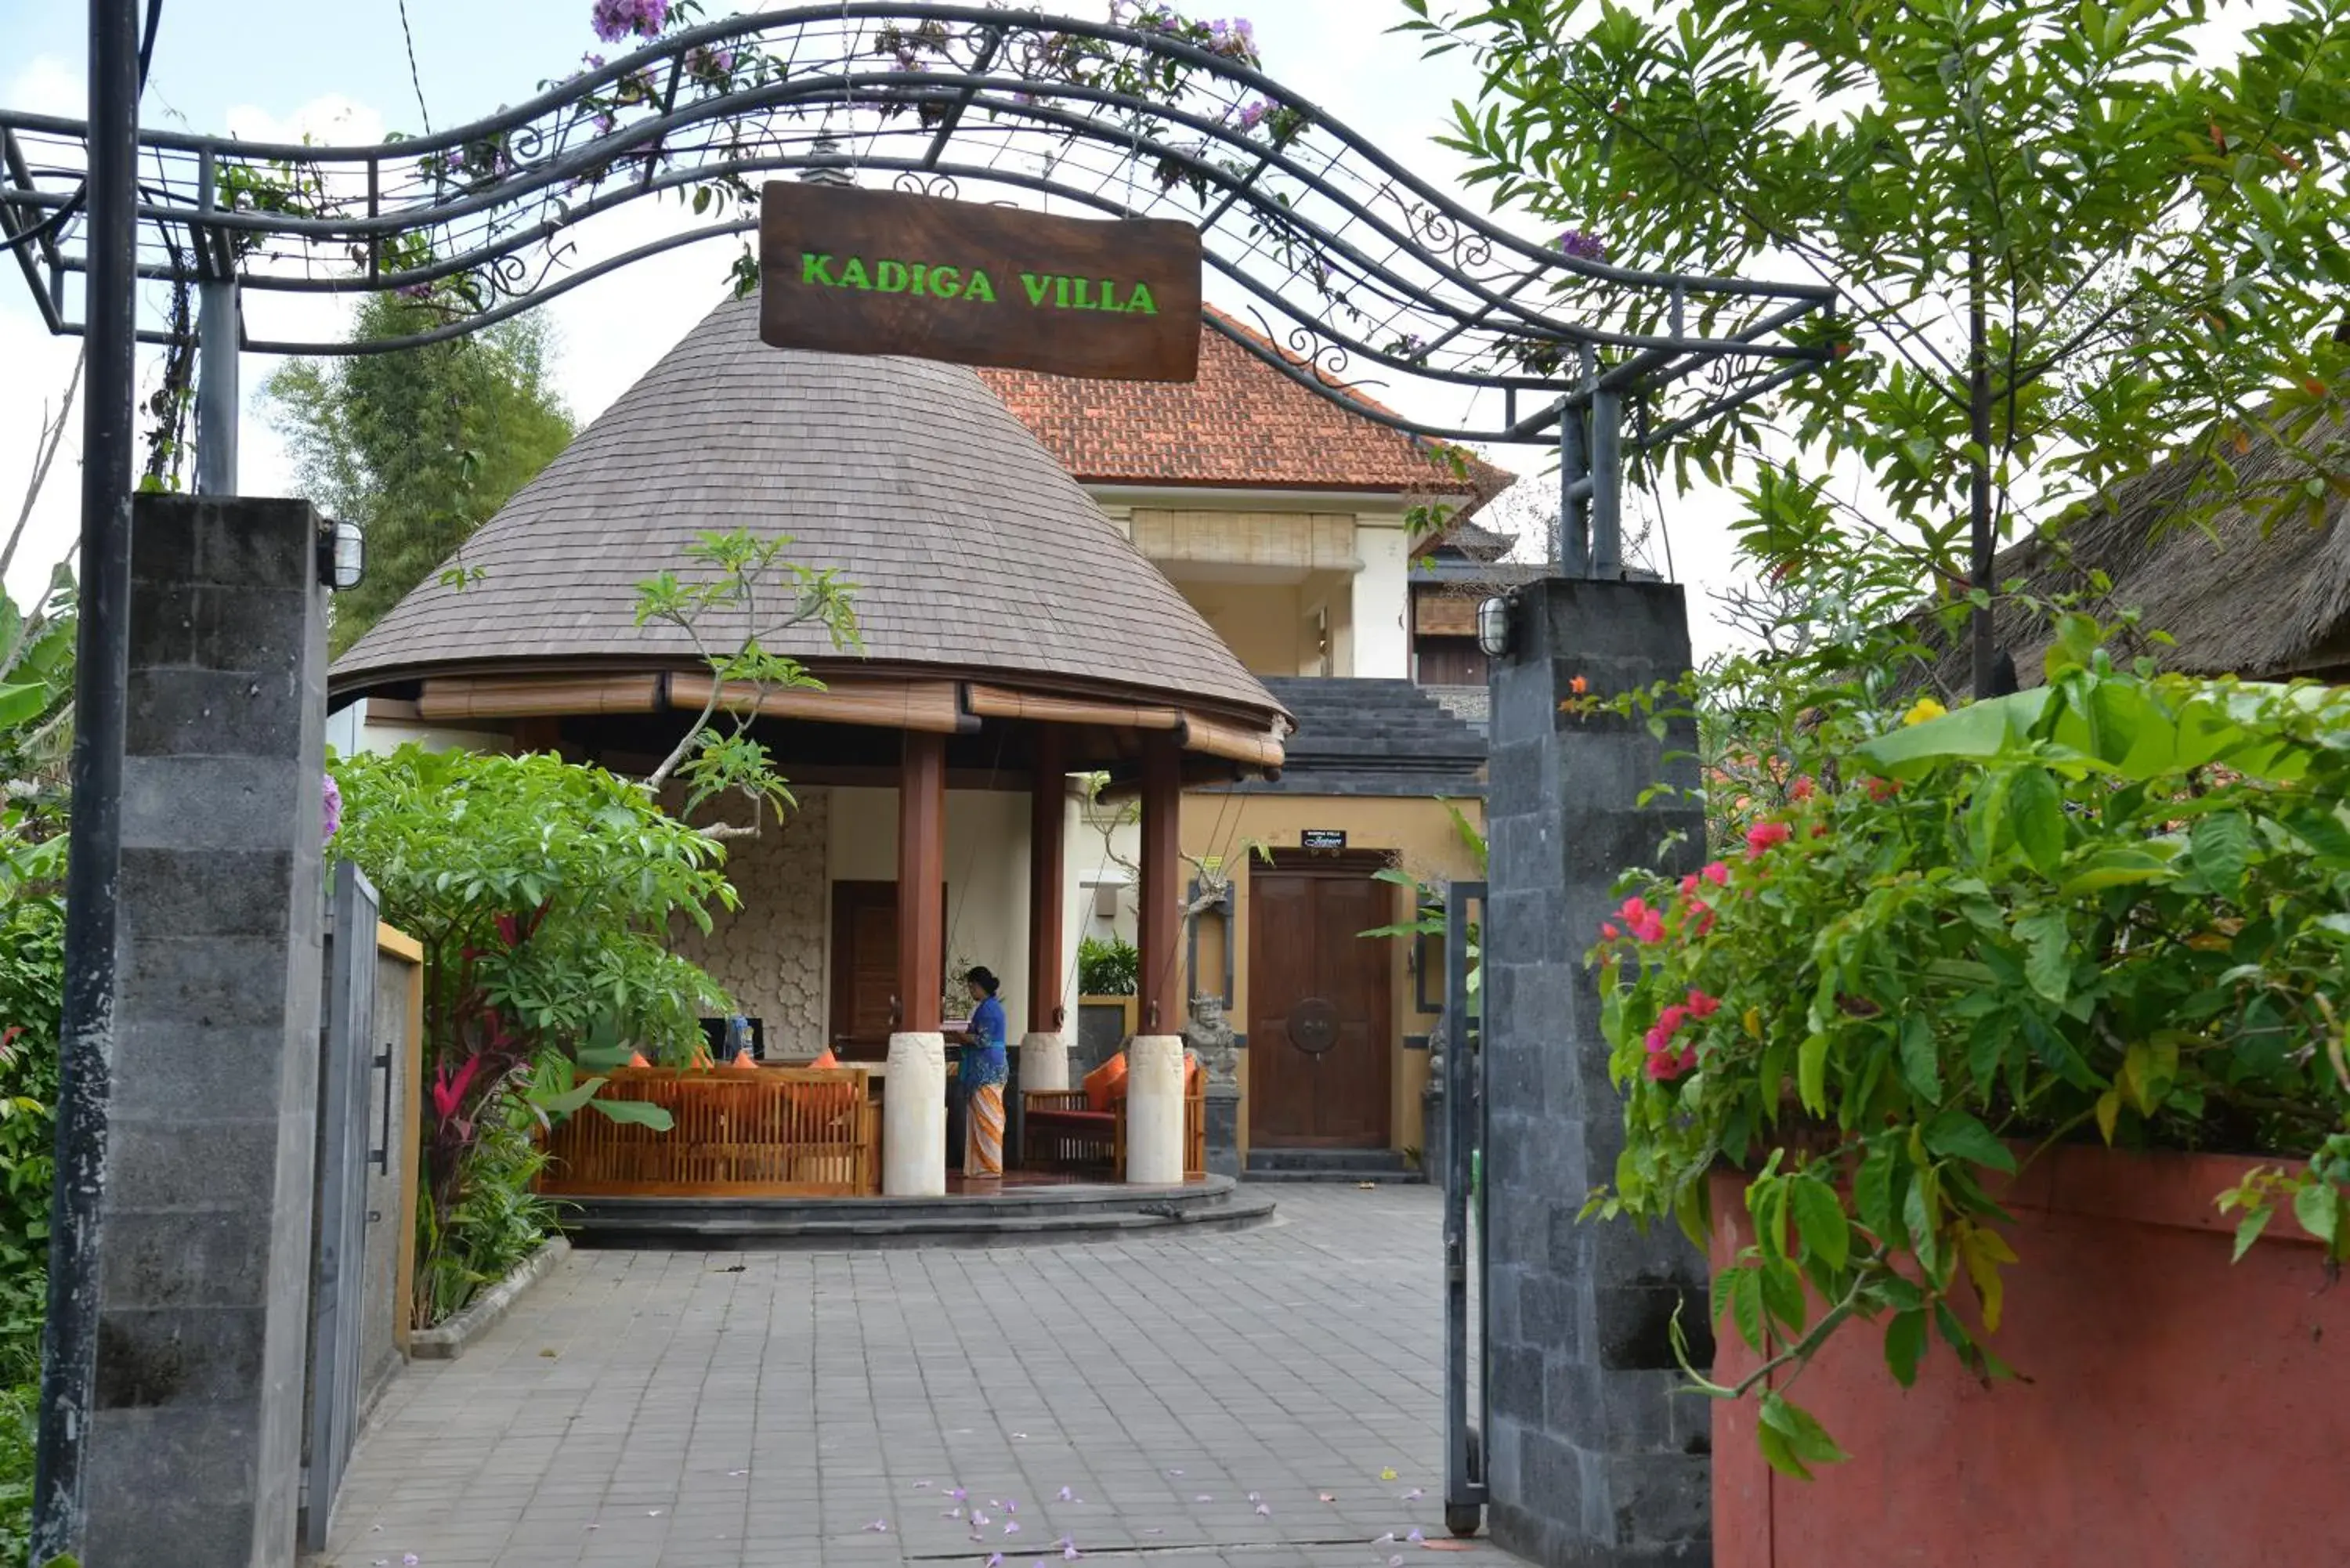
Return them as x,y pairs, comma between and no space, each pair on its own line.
1807,1440
2048,958
2222,846
1811,1074
2248,1229
640,1111
1783,1294
1746,1304
2115,869
1917,1217
2035,811
2318,1206
1820,1220
19,703
1920,1067
1956,1134
1872,1192
1904,1344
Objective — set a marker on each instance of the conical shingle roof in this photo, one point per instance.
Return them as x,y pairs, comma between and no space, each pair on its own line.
972,550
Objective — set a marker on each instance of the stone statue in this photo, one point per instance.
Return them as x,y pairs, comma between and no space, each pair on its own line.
1209,1038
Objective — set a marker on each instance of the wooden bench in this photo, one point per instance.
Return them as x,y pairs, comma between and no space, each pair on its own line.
736,1132
1064,1132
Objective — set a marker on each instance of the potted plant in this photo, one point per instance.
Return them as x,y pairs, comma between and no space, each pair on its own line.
1980,1068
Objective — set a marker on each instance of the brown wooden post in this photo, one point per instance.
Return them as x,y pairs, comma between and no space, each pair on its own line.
921,876
1048,867
1159,992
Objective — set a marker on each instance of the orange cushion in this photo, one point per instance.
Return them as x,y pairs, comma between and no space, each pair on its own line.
826,1060
1105,1085
636,1059
743,1058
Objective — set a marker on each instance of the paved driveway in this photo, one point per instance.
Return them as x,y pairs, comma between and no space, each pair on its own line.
1198,1398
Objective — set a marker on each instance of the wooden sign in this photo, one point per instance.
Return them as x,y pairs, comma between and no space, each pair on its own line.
850,271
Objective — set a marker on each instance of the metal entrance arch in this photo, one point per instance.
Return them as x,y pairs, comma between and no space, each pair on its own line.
1359,277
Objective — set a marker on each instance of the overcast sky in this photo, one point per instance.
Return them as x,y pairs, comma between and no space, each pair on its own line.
338,72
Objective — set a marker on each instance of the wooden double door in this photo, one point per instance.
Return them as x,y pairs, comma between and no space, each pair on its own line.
1321,1045
865,969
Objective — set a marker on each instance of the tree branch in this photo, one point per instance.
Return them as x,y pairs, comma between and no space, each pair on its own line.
45,447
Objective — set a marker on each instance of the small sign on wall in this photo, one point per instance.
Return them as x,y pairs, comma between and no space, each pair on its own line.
1322,839
849,271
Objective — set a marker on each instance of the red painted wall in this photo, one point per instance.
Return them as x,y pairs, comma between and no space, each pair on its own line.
2183,1413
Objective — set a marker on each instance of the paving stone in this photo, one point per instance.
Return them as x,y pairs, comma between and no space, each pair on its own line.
1291,1361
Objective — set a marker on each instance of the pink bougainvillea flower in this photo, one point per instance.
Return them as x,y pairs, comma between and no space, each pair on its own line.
1764,835
1689,883
1663,1066
1611,930
1700,1005
1647,924
1881,790
1700,917
1660,1034
1716,873
1802,788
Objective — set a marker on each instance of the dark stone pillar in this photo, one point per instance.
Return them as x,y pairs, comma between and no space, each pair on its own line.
195,1440
1592,1456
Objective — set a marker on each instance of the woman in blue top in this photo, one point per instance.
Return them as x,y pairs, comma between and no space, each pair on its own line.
980,1078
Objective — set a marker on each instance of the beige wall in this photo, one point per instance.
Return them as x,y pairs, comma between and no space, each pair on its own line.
1263,623
987,878
1416,834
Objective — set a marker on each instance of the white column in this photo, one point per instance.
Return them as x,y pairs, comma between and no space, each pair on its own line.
1381,600
1154,1111
1044,1062
914,1118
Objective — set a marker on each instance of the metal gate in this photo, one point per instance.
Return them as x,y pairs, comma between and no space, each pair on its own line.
1465,1289
338,1231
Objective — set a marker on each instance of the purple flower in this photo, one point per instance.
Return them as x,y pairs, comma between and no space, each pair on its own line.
409,291
1253,112
711,64
617,19
334,799
1581,244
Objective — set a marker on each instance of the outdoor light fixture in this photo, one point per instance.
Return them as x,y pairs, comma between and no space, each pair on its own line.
342,554
1493,626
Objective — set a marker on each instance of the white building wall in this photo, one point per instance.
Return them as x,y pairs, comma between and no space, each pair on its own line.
1382,599
987,880
351,730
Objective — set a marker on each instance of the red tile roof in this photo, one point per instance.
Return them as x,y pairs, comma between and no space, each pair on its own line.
1242,424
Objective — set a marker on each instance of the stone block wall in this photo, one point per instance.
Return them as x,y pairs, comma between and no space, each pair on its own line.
194,1445
769,953
1593,1456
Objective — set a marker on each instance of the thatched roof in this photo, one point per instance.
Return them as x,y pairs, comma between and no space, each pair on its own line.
973,551
2236,600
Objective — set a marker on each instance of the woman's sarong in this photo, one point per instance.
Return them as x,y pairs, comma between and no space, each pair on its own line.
982,1122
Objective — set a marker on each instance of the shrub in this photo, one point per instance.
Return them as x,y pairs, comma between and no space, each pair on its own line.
32,987
2111,907
1107,968
541,893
